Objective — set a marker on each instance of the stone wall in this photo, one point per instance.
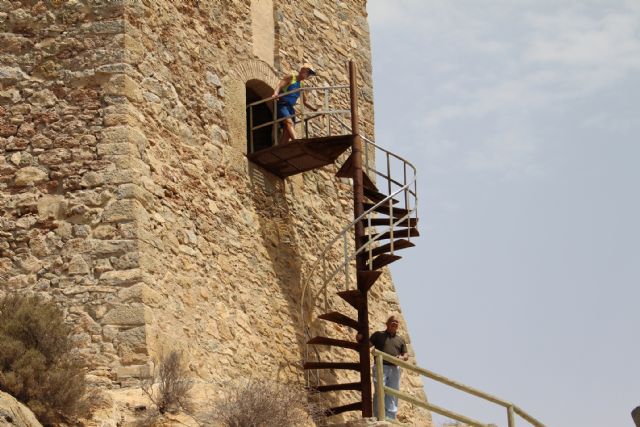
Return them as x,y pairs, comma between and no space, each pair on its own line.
126,194
65,166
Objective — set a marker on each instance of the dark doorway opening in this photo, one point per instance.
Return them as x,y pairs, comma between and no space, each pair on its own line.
263,113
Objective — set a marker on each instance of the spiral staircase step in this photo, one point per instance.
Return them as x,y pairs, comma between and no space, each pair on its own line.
334,342
340,319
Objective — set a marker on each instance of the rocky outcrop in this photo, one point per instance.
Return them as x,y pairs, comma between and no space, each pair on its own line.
15,414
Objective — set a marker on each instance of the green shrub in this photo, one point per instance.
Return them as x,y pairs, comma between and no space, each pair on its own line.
36,365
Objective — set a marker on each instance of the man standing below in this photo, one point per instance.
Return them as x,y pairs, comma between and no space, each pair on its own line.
388,341
286,103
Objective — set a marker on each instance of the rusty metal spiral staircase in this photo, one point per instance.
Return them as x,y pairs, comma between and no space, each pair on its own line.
385,221
387,224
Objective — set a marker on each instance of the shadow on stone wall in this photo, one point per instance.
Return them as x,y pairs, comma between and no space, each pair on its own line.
279,238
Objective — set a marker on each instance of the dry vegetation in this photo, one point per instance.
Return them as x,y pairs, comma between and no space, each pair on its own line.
263,403
37,367
36,364
170,389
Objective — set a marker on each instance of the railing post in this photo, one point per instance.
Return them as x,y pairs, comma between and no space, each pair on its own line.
390,203
370,247
389,173
302,107
406,193
251,129
347,276
274,127
511,416
391,230
380,388
367,169
325,107
324,281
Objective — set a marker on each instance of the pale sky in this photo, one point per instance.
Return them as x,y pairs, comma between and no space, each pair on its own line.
523,119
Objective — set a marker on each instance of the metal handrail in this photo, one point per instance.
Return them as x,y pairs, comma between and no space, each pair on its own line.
344,233
306,88
407,187
303,114
367,213
381,389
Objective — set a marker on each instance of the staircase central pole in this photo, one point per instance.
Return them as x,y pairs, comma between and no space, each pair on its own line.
358,209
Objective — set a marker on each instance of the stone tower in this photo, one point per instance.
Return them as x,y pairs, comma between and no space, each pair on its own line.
125,192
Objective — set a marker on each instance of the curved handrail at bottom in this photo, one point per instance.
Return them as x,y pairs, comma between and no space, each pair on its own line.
381,390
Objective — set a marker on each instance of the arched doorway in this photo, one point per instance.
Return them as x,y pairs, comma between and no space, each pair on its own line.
263,113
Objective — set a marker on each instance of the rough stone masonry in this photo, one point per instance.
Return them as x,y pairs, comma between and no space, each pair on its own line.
125,192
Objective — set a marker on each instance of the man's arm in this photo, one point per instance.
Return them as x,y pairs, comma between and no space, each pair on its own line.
284,82
404,355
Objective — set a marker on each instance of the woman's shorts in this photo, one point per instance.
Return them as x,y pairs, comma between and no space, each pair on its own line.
286,110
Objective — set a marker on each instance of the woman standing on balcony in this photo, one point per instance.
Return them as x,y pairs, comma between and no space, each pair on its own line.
286,102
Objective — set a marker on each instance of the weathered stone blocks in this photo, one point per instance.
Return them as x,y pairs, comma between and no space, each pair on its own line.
141,293
30,175
77,265
124,210
127,315
124,85
11,75
121,277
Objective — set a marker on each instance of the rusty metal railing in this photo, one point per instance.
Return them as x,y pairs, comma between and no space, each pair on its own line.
327,114
335,263
381,390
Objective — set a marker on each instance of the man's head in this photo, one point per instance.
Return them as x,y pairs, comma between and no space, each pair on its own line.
306,71
392,324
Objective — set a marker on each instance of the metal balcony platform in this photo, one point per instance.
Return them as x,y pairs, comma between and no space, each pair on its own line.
301,155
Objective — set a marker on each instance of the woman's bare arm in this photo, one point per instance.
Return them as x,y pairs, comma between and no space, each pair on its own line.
284,82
